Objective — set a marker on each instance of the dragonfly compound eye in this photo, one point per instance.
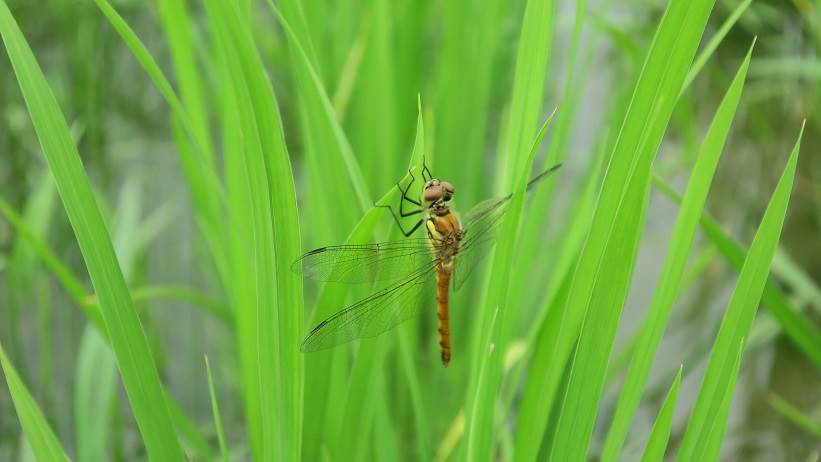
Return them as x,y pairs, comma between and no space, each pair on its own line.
433,193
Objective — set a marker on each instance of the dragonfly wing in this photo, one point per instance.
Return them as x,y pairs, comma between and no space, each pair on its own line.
375,314
361,263
481,224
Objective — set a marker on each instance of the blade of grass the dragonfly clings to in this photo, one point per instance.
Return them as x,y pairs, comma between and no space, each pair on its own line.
808,424
405,336
711,46
273,243
660,434
137,369
739,315
605,266
481,415
799,329
320,383
353,435
215,410
39,434
95,382
669,282
196,159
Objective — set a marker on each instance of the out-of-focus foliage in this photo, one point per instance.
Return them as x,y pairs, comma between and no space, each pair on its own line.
197,198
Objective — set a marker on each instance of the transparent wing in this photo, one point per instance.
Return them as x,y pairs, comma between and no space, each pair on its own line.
481,225
375,314
360,263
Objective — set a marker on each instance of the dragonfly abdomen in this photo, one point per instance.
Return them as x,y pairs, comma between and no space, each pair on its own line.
443,273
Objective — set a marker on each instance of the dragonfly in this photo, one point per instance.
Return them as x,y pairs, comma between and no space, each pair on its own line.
409,268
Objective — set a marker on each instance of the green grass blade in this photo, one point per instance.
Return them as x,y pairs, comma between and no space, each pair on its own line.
739,316
352,438
711,46
660,434
718,425
42,439
799,329
70,283
406,359
795,415
325,136
197,163
318,405
137,369
494,328
94,392
606,264
543,338
669,282
216,411
532,58
273,243
516,161
176,21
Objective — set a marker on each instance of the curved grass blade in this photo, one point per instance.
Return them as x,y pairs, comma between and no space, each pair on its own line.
739,317
363,385
603,274
493,341
795,415
660,434
94,392
799,329
197,163
272,315
139,374
669,282
711,46
43,442
216,411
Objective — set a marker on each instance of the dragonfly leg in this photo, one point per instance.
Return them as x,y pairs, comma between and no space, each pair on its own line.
405,197
399,222
426,170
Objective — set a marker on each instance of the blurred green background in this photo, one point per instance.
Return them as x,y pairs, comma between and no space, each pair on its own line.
374,58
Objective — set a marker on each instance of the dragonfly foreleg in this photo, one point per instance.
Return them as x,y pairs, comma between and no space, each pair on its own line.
425,170
399,222
405,197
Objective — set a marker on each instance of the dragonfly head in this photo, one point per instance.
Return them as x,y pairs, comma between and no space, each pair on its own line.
437,192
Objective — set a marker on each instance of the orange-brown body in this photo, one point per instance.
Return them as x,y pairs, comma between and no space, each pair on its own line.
445,232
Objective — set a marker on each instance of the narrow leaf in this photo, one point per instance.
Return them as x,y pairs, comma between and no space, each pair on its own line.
739,316
660,434
139,374
40,437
